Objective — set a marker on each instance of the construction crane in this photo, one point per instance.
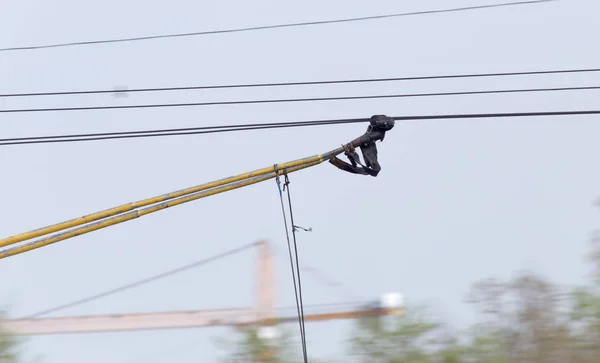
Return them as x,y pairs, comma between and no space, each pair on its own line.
262,314
240,317
261,318
379,125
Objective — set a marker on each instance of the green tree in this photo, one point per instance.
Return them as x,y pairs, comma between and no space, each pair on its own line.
248,346
585,310
7,351
522,320
8,347
406,338
586,323
526,319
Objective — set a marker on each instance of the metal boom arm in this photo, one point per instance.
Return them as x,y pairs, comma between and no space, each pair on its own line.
376,131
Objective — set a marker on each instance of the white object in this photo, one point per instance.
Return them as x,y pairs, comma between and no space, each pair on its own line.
268,333
391,300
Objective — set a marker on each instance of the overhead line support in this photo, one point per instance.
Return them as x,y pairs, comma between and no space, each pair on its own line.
379,125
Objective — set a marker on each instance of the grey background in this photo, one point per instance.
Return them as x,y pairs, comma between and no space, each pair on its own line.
456,200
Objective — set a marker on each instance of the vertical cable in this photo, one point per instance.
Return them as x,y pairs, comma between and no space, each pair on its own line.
287,185
287,234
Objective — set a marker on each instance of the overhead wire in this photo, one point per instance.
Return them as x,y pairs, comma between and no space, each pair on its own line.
299,304
300,83
294,100
266,27
286,186
171,132
133,210
141,282
273,125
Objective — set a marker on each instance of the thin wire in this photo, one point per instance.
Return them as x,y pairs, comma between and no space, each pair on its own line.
287,235
496,115
141,282
265,27
310,99
177,131
287,186
274,125
304,83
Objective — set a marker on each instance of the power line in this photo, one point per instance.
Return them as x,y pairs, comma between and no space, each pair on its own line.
299,303
265,27
497,115
225,127
311,99
142,281
291,209
274,125
300,83
168,132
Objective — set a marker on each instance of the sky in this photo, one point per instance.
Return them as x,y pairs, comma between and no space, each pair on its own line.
456,201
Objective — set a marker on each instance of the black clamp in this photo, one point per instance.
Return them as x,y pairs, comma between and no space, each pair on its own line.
379,124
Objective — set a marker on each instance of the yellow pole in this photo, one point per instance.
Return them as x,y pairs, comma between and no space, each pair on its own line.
131,206
173,201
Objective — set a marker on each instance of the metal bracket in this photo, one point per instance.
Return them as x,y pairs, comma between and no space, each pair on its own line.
378,126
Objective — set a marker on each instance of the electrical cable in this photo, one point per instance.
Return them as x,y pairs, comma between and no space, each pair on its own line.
265,27
302,83
286,186
273,125
287,234
141,282
170,132
310,99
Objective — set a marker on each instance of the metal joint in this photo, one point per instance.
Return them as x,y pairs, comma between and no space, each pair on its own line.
378,126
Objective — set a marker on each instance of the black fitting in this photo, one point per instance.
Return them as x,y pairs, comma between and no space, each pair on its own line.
382,123
376,130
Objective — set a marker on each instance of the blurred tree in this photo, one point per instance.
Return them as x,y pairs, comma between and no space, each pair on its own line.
8,347
248,346
523,320
585,311
451,349
407,338
7,352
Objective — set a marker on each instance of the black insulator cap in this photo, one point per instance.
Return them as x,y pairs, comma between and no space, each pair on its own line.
382,122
